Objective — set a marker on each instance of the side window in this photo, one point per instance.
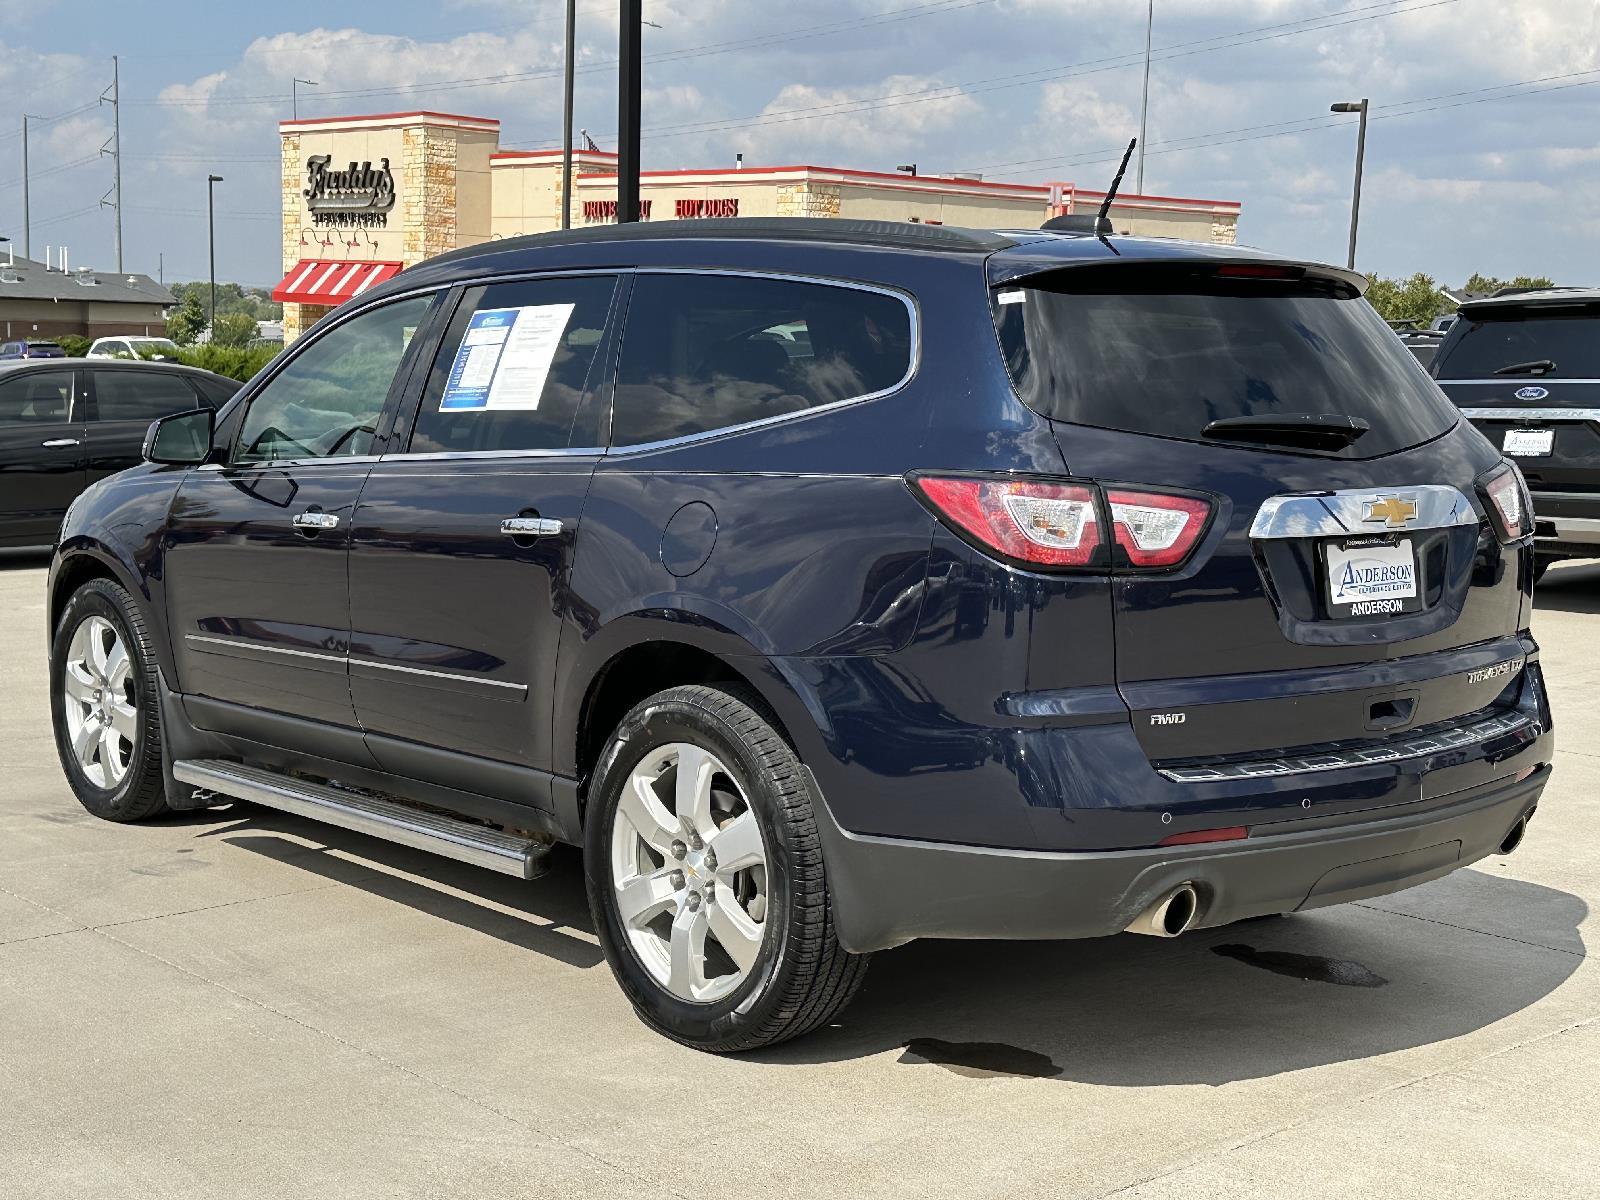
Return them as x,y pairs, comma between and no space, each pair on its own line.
703,352
326,401
214,392
36,398
140,395
515,367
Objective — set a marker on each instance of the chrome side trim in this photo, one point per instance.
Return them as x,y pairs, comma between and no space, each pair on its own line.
1338,760
1332,514
238,644
450,675
1531,414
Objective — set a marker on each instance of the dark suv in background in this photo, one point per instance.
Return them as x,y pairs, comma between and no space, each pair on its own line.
1525,369
832,584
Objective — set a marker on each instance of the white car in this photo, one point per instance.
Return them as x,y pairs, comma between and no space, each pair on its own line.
133,347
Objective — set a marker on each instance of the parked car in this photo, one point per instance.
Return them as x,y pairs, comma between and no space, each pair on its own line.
154,348
1525,368
66,425
1423,343
832,584
11,350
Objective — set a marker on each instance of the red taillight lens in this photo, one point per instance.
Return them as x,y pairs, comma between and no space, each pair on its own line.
1154,529
1197,837
1508,502
1043,524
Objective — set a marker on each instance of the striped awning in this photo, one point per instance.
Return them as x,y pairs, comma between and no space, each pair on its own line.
317,281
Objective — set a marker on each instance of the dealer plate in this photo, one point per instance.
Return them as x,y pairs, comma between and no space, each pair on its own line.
1372,577
1529,443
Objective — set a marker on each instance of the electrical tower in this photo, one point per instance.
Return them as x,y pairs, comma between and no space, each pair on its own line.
113,96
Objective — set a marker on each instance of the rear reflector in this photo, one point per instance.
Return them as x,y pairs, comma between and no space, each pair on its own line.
1154,529
1229,833
1044,524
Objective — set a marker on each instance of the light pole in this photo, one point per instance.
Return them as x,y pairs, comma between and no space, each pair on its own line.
211,231
1144,104
294,91
1355,106
630,70
566,116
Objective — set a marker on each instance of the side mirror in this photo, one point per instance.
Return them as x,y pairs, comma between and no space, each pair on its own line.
182,439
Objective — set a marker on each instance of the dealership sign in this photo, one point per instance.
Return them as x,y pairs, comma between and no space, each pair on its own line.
359,196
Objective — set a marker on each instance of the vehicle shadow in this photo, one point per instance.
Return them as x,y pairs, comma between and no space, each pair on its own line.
1570,587
1245,1001
549,915
28,559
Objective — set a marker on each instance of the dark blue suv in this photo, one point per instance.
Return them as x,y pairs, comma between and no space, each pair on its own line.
832,584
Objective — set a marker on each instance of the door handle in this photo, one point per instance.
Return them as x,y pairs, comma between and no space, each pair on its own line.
316,520
56,443
530,527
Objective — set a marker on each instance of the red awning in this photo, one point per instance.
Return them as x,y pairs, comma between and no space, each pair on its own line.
316,281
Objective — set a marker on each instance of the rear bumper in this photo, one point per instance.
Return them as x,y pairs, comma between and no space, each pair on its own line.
1567,522
887,891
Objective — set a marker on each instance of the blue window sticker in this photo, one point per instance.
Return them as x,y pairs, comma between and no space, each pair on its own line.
504,358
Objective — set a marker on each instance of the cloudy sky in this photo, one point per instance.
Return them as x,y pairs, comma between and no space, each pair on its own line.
1483,154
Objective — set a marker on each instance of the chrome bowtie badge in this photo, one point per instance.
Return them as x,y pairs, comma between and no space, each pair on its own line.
1394,511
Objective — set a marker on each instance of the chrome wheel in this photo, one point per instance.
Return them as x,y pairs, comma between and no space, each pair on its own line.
689,872
101,710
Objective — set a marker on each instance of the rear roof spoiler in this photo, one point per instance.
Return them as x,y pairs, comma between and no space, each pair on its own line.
1054,252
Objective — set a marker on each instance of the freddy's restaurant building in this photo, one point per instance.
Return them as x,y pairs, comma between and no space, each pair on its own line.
366,197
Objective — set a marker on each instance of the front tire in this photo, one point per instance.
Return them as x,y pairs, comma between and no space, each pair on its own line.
706,878
103,705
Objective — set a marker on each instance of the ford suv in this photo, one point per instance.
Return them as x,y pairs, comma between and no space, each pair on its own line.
831,584
1525,369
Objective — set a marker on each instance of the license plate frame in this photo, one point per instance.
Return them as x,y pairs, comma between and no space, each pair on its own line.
1382,580
1528,443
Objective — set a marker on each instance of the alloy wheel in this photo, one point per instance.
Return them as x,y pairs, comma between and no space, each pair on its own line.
101,711
689,872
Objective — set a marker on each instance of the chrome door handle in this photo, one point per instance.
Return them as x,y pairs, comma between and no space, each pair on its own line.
316,520
530,527
55,443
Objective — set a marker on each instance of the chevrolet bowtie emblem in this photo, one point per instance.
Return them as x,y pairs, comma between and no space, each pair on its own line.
1394,511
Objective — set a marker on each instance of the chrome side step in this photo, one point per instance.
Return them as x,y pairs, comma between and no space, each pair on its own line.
363,813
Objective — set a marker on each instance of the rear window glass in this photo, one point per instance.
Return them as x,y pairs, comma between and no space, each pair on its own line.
1167,352
1485,343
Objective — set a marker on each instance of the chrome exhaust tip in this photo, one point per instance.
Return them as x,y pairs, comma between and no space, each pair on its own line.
1169,916
1513,837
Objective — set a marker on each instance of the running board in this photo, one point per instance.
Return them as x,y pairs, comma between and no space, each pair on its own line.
364,813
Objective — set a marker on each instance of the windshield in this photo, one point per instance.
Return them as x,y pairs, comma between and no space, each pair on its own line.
1487,342
1168,351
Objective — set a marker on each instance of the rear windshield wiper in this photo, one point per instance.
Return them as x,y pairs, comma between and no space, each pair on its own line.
1537,366
1327,431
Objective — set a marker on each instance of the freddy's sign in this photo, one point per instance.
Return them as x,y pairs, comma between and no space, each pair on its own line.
360,195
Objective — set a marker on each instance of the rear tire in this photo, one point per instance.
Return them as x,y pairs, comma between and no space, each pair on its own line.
723,955
103,705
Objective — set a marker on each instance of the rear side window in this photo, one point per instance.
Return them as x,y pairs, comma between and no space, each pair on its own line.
1166,352
1491,340
140,395
706,352
515,368
35,398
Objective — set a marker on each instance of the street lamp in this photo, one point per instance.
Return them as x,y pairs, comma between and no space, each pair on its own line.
566,115
211,232
1355,106
294,90
907,168
1144,104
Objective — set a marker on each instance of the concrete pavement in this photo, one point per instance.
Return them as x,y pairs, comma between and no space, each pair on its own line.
240,1003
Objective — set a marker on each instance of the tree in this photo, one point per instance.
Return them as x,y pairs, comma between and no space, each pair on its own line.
187,320
1487,285
233,329
1415,299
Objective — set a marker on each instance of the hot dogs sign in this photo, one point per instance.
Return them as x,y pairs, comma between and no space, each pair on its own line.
360,196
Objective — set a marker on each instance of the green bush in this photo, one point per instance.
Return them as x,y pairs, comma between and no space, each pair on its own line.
233,329
236,362
73,345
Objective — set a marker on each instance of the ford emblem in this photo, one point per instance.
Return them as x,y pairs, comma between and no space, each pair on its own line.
1532,393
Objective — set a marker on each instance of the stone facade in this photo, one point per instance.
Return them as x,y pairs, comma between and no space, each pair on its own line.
810,200
428,177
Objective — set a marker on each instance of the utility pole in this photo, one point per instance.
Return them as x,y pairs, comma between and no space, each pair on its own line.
294,93
1144,104
1359,106
115,144
27,230
566,116
161,268
630,69
211,233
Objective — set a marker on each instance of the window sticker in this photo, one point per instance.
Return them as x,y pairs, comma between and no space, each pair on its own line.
504,359
1012,297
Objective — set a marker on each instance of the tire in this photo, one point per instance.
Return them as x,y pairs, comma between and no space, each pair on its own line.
111,706
798,977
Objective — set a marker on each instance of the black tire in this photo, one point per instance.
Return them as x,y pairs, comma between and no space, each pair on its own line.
140,794
801,977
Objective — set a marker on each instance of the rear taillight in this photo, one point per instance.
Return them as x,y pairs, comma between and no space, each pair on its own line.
1508,501
1039,524
1155,529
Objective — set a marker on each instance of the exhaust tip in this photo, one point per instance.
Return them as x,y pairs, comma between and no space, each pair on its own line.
1170,915
1513,837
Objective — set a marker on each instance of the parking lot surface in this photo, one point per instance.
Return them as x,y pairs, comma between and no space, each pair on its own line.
241,1003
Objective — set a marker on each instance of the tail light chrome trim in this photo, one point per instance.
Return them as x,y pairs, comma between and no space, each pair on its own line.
1347,512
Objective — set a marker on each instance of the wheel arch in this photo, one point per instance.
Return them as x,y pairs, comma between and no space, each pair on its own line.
82,560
